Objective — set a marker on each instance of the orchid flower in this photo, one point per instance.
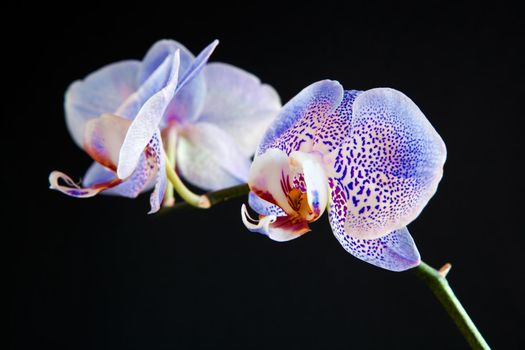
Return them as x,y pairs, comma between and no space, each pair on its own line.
134,118
371,158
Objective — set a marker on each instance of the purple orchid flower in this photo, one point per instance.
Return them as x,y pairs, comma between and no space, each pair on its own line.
370,157
134,118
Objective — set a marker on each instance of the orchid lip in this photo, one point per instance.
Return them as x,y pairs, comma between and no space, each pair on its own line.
261,225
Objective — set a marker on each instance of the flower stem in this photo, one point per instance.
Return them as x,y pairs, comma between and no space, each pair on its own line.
169,198
216,197
434,279
438,284
199,201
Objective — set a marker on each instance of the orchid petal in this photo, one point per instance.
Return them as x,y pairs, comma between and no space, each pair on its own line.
280,229
146,123
197,64
157,159
158,53
140,181
188,101
72,189
266,178
295,126
395,252
238,102
263,207
100,92
314,180
209,158
103,138
155,82
97,173
151,167
191,90
388,167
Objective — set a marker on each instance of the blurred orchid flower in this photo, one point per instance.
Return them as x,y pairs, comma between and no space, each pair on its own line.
134,118
371,158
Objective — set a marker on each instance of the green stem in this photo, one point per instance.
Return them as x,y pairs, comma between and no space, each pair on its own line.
171,145
438,284
199,201
215,197
433,278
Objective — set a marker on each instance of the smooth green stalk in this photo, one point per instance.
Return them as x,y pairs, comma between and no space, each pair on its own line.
169,197
199,201
434,279
438,284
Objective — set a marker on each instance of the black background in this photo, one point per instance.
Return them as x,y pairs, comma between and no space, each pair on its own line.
101,274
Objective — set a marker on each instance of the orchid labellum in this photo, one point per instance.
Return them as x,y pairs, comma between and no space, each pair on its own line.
370,158
135,118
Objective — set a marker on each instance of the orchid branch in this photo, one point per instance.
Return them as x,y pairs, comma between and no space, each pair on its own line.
438,284
434,279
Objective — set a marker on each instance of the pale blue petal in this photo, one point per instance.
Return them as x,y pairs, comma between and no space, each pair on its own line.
96,174
158,53
191,90
387,166
103,91
295,126
238,102
146,124
155,82
209,158
140,181
197,64
263,207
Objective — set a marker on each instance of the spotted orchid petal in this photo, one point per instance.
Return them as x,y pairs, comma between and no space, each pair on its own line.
157,162
140,181
150,171
295,126
386,168
395,252
209,158
103,91
145,125
238,102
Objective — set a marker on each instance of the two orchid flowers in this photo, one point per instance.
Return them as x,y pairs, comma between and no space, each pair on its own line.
370,158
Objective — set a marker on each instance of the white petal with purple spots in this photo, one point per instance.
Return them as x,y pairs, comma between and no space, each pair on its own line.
387,167
300,119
